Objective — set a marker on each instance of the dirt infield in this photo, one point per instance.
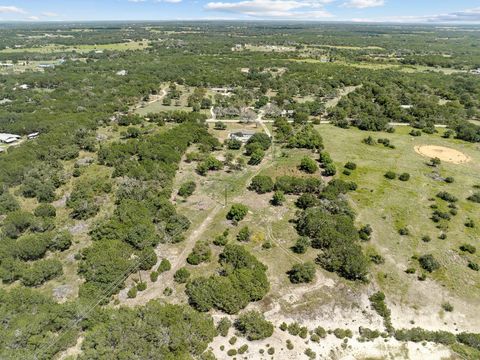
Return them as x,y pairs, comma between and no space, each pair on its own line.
443,153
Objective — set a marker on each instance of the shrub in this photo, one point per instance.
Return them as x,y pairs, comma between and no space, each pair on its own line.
242,349
232,352
320,332
470,223
365,232
153,276
342,333
475,197
310,353
404,231
142,286
168,291
447,197
294,329
237,212
404,177
164,266
253,326
232,340
329,170
308,165
278,198
469,339
187,189
301,246
414,132
306,201
223,326
350,165
369,140
302,273
221,240
61,241
244,234
377,300
181,275
289,345
256,157
426,238
271,351
261,184
390,175
447,307
473,266
41,271
45,210
132,292
200,253
428,263
435,161
233,144
468,248
450,180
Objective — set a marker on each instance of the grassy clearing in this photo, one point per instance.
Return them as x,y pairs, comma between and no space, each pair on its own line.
53,48
389,205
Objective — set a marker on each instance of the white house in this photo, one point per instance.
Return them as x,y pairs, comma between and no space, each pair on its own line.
242,135
9,138
33,135
24,87
122,72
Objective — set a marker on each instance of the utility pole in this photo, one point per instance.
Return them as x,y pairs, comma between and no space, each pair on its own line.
226,195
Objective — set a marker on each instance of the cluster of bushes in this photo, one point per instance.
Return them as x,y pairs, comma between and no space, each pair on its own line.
32,247
302,273
392,176
143,216
237,212
377,300
261,184
187,189
201,253
253,326
328,166
84,198
256,147
242,280
305,137
308,165
329,225
296,186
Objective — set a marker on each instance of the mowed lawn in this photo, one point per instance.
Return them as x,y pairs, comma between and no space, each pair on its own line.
389,205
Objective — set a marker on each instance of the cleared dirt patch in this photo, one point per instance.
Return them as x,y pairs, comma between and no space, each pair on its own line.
443,153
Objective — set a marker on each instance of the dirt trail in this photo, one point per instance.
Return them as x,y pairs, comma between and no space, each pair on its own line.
155,289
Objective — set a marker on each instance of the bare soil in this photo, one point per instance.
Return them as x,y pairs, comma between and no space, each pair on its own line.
443,153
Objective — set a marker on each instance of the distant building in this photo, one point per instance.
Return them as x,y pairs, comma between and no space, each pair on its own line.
122,72
46,66
24,86
406,107
33,135
5,101
9,138
242,135
223,90
287,112
476,71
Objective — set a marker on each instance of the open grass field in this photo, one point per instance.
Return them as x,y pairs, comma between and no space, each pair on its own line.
53,48
389,205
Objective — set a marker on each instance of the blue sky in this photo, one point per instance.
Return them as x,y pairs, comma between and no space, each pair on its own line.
428,11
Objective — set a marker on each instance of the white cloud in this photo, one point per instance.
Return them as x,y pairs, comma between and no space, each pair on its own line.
11,10
172,1
283,9
363,4
465,16
137,1
49,14
33,18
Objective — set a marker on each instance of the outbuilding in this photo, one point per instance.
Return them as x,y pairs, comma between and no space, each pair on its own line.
9,138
